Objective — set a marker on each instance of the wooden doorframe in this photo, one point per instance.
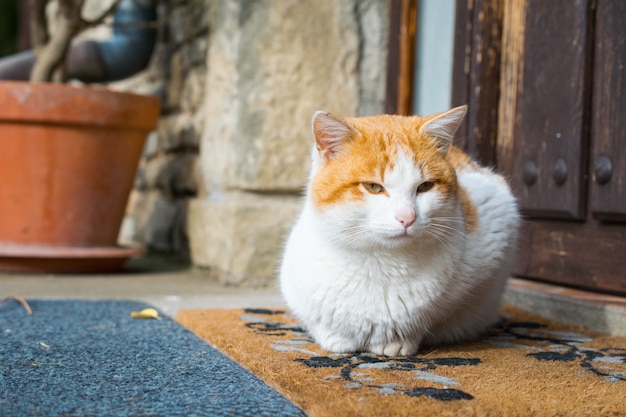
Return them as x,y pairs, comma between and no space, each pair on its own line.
476,61
401,56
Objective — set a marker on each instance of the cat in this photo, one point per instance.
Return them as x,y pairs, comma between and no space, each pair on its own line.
403,239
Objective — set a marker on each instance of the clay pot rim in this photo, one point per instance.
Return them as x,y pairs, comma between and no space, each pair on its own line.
22,101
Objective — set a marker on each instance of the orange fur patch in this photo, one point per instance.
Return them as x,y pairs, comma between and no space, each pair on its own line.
363,157
468,209
461,161
366,155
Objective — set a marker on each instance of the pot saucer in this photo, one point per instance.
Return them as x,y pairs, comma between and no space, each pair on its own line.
65,259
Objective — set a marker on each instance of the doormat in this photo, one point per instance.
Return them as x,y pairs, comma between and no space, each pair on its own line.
90,358
527,366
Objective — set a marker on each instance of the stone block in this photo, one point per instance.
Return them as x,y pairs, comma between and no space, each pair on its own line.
175,174
178,132
269,68
373,34
188,20
193,94
149,172
151,147
156,221
179,175
194,52
240,236
175,82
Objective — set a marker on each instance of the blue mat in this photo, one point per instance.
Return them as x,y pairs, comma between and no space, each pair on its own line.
90,358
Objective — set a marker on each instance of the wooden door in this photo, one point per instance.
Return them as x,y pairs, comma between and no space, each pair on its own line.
546,87
563,124
608,150
551,130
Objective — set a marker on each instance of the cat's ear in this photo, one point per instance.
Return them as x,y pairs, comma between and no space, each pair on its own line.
329,132
443,126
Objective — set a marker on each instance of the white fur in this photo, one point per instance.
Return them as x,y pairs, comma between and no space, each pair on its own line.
360,281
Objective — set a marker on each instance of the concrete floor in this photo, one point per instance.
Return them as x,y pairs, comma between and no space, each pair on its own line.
172,286
166,284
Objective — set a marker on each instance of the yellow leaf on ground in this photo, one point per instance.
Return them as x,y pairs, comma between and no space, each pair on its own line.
148,313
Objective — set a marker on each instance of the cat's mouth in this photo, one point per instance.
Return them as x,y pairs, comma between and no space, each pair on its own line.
400,234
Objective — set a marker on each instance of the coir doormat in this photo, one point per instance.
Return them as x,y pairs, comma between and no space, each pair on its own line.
528,366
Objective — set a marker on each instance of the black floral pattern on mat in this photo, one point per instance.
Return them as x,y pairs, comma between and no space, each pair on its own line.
263,311
353,369
609,363
269,328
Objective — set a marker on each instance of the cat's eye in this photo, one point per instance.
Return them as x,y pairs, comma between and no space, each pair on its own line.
373,188
425,186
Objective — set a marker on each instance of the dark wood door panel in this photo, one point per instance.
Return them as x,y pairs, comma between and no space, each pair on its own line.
477,62
590,256
561,107
608,161
551,133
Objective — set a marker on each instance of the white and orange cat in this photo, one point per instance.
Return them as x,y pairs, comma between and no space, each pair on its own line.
403,239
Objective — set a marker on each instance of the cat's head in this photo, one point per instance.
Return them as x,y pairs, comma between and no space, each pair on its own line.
384,180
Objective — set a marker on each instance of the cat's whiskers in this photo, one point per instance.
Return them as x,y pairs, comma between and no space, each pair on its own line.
444,234
358,233
447,219
444,229
453,231
442,238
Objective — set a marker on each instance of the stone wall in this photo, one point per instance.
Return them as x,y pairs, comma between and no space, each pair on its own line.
222,178
167,177
270,65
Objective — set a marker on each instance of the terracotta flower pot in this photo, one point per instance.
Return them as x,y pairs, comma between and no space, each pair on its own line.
68,157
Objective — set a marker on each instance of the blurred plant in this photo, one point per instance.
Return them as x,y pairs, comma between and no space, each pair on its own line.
51,48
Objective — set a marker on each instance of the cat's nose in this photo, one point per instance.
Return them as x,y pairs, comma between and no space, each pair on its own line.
406,219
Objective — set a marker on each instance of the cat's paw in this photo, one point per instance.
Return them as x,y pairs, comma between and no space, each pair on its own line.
336,343
395,348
